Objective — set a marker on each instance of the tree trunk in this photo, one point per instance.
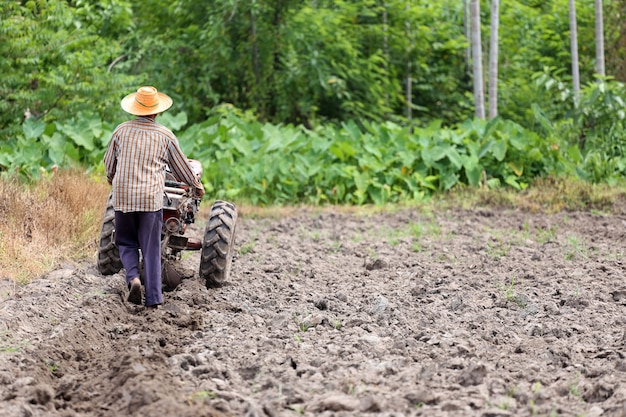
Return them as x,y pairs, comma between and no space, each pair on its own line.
255,55
574,46
468,36
280,9
386,50
409,79
477,54
599,39
493,59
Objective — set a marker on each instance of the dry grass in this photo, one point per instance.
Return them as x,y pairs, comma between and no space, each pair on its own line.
56,220
546,195
59,218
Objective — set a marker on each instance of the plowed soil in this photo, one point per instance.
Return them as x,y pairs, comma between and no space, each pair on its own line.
454,313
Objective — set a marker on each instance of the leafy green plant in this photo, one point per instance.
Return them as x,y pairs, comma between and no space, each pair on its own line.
302,324
246,248
510,294
573,388
52,367
202,395
509,290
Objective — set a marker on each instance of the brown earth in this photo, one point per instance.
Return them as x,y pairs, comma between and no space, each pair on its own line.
455,313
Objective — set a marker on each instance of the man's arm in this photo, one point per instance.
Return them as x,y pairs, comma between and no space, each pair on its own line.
181,169
110,160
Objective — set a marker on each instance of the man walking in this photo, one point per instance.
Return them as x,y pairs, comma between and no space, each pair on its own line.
135,163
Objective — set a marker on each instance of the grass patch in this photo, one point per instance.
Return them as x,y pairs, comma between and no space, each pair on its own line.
498,249
414,231
8,344
246,248
577,248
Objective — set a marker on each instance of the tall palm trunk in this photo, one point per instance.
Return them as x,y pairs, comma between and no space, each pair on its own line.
493,59
477,57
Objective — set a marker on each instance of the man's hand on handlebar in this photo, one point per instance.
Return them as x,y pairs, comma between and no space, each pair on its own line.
199,192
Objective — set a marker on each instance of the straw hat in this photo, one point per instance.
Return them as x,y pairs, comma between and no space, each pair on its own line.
146,101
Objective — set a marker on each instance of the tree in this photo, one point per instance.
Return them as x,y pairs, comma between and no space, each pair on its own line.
574,48
477,54
409,79
294,61
468,35
55,60
493,59
599,39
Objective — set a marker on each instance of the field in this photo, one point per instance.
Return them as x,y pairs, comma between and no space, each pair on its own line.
484,312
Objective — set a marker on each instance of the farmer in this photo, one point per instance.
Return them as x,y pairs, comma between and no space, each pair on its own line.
135,163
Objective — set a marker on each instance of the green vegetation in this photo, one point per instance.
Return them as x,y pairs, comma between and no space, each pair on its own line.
246,248
201,396
381,163
52,367
511,295
576,248
498,249
573,388
546,235
264,164
305,102
8,344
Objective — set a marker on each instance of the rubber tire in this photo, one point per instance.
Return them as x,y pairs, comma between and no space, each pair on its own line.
217,244
109,261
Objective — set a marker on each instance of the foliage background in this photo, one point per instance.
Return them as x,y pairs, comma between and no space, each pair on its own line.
292,100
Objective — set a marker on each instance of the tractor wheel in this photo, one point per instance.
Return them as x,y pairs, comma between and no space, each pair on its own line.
217,245
109,261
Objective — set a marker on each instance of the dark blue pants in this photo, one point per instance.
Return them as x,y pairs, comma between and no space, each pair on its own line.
136,231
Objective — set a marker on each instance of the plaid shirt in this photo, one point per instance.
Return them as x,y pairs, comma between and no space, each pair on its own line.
135,163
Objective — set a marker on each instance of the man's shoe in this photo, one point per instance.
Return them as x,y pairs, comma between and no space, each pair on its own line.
134,295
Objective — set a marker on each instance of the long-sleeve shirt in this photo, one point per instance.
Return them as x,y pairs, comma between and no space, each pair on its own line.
136,161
